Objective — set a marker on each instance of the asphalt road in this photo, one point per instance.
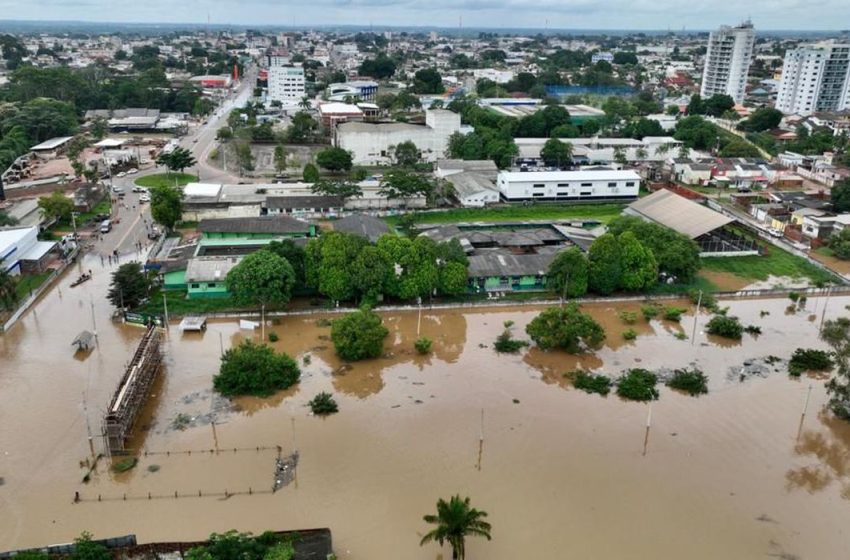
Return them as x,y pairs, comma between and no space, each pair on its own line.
133,219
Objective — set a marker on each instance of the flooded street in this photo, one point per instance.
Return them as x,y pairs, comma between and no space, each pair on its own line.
561,473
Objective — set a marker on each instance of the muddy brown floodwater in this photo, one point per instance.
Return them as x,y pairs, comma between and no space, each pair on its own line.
562,473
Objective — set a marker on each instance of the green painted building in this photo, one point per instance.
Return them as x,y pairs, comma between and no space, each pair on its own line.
222,245
499,270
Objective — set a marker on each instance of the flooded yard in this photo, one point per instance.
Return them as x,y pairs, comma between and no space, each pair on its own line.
733,474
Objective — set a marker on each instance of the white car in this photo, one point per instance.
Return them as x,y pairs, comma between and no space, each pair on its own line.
122,174
145,198
132,171
138,189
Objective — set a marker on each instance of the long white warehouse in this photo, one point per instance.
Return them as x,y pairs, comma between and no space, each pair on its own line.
516,186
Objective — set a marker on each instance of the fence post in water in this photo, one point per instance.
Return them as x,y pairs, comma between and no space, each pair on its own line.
648,426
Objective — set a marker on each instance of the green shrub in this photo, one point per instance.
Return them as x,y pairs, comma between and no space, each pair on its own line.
673,313
323,404
707,300
794,296
590,383
255,369
629,317
359,335
507,344
566,328
752,329
273,337
423,345
638,385
650,311
692,381
727,327
809,359
680,335
630,334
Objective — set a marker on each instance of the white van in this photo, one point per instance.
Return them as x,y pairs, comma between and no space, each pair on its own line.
105,226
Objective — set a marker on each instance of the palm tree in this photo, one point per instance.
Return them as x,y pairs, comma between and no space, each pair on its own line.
455,520
641,153
305,103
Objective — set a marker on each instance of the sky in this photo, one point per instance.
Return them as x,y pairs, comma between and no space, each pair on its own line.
553,14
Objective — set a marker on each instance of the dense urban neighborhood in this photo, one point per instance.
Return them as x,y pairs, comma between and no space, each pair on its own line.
297,293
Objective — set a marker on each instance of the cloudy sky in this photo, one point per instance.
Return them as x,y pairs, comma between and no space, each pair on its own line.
568,14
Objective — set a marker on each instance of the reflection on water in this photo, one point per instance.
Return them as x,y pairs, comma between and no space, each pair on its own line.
560,469
830,451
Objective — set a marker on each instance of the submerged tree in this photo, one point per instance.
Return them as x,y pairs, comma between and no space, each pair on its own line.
129,286
566,328
456,520
836,333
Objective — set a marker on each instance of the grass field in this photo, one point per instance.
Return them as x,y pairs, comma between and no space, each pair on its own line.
169,179
29,282
776,263
602,212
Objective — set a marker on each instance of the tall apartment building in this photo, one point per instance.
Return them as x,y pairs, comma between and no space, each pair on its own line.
815,78
727,61
286,83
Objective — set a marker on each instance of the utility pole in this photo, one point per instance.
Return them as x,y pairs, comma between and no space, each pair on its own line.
696,316
93,322
165,308
263,322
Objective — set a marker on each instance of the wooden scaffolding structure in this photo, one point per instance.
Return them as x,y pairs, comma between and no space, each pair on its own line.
130,396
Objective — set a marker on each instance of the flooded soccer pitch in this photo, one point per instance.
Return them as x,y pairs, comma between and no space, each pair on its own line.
733,474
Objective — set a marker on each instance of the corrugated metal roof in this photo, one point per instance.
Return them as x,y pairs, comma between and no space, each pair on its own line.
679,214
265,224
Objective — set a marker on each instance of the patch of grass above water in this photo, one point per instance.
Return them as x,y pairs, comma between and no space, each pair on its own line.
777,262
601,212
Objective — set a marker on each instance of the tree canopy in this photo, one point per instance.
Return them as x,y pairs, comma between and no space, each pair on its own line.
455,520
566,328
166,205
262,277
334,159
129,286
568,273
255,369
359,335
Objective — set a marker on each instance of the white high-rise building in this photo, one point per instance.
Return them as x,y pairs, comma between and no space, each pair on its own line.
815,78
727,61
286,83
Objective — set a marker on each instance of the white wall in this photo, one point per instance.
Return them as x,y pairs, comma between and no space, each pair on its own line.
541,189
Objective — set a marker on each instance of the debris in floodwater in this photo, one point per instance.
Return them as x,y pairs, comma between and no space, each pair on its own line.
284,470
756,367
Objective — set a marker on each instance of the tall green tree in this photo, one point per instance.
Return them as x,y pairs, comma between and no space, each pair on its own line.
566,328
310,173
840,196
8,293
334,159
279,159
677,255
129,286
428,81
568,273
370,271
406,154
337,252
404,185
342,189
639,268
606,268
556,152
262,278
455,520
166,205
295,256
85,548
836,333
57,206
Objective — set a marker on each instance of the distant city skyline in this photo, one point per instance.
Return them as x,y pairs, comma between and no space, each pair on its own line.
539,14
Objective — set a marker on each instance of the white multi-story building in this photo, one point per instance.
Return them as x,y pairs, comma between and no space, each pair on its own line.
568,185
286,83
815,78
727,61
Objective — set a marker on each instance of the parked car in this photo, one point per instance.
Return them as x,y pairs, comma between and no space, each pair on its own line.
154,233
105,226
132,171
144,198
140,190
117,190
121,174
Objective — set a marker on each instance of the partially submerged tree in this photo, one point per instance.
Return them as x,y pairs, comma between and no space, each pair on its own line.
255,369
359,335
455,520
566,328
